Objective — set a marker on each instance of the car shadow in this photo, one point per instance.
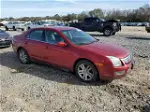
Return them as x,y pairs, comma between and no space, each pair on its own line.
138,38
146,108
47,72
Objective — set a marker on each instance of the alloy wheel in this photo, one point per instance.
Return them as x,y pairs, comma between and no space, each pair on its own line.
85,72
23,56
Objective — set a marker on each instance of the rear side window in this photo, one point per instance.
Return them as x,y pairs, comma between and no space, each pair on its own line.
91,20
36,35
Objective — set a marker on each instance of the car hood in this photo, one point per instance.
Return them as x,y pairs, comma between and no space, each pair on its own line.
107,49
4,36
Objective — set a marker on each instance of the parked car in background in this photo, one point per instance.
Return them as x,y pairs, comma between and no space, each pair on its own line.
91,24
74,50
30,25
14,25
37,24
5,39
1,24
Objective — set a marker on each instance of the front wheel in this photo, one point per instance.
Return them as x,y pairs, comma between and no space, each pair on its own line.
23,56
22,29
29,28
86,71
148,31
107,31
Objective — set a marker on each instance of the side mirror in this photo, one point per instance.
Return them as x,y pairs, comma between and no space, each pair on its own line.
61,44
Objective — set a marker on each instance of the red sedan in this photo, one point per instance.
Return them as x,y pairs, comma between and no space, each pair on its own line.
75,50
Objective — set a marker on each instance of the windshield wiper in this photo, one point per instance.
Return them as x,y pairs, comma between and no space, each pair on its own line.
93,41
87,43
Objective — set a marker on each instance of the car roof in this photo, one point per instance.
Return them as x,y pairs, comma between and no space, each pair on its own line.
59,28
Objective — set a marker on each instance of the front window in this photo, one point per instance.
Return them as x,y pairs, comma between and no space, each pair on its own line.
52,37
78,37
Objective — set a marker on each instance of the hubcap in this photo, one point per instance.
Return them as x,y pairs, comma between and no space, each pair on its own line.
85,71
23,56
107,32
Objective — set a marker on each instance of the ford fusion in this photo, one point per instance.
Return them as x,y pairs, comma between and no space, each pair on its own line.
72,49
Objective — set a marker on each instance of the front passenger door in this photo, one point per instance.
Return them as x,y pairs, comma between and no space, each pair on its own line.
57,55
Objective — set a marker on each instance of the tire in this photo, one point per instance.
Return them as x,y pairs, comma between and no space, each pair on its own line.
148,31
107,32
6,28
23,56
86,71
113,33
14,29
29,28
22,29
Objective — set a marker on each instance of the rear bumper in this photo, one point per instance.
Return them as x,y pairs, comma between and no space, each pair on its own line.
116,72
5,43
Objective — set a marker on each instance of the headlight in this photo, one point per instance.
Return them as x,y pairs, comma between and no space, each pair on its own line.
116,61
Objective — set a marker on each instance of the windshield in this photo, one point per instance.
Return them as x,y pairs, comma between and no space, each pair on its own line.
78,37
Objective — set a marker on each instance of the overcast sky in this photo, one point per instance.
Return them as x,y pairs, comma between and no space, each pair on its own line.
28,8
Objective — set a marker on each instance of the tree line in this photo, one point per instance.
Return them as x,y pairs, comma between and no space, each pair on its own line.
141,14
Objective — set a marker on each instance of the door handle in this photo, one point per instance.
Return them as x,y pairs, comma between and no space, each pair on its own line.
26,42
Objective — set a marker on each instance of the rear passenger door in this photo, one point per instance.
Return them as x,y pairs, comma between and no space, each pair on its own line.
35,44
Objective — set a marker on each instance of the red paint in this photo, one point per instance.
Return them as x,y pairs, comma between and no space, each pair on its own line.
66,54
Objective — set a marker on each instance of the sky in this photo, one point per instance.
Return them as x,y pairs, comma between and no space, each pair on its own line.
40,8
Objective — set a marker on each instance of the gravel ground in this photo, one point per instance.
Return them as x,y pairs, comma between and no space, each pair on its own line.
42,88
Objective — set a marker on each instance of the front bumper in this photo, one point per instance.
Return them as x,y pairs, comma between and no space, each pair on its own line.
115,72
5,43
116,28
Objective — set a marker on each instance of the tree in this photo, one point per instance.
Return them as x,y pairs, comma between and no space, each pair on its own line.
57,17
142,14
82,15
96,13
10,18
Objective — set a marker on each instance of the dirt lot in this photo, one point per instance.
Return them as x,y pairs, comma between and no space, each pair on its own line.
41,88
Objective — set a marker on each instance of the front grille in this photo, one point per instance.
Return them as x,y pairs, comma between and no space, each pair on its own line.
5,42
127,59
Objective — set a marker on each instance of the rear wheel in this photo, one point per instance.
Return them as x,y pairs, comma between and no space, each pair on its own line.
86,71
107,31
14,29
23,56
6,28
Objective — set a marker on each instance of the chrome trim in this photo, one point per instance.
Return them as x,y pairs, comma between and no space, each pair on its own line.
127,59
44,42
40,41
